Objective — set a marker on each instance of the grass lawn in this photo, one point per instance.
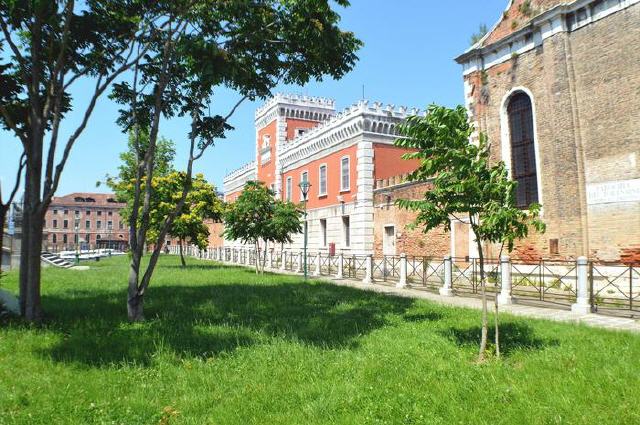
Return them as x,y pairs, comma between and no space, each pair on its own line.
222,346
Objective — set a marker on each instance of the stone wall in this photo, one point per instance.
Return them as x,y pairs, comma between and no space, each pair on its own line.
585,88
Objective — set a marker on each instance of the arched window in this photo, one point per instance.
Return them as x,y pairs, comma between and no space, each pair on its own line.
523,156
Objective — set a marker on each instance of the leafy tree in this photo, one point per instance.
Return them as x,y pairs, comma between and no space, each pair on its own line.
248,47
258,216
48,47
202,203
466,186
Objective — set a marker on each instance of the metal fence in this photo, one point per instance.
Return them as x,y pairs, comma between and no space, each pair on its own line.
607,288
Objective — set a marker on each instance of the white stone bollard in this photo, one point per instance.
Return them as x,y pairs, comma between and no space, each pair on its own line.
505,298
283,261
368,270
402,283
583,302
340,273
447,287
316,272
300,262
271,259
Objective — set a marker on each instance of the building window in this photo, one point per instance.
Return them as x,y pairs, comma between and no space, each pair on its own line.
109,225
75,238
54,238
322,180
345,177
87,212
55,212
86,238
346,230
55,224
65,224
289,188
64,238
110,213
87,224
523,157
323,231
77,213
99,212
300,131
66,212
98,224
121,225
98,237
304,177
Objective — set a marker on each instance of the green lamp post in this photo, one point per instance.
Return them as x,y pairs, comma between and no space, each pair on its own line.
304,188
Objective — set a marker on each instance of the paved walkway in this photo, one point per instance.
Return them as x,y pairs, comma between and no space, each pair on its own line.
547,312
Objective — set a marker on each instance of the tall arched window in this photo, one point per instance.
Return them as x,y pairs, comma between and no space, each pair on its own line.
523,156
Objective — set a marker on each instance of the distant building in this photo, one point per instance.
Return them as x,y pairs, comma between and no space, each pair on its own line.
556,86
85,220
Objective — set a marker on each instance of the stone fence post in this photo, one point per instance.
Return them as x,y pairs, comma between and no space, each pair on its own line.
340,273
447,287
402,283
317,271
583,300
283,258
300,262
505,298
368,270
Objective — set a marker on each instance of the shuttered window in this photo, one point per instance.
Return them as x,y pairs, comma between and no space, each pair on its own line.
523,158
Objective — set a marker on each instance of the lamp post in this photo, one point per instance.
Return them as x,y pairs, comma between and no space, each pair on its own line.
77,241
304,188
110,229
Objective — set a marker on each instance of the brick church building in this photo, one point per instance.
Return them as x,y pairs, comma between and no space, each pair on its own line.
556,86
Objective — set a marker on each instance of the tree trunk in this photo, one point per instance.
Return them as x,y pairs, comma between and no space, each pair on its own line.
485,313
257,249
184,263
135,312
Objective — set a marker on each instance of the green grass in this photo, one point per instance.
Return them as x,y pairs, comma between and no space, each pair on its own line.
222,346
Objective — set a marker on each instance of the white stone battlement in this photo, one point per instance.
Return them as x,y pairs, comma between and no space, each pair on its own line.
238,172
295,100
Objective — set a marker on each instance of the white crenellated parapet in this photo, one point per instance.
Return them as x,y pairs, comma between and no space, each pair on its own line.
236,179
360,118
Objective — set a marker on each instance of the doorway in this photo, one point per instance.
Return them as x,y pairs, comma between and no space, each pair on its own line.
389,240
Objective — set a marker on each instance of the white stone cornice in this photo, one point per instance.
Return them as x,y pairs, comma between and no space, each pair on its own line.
236,179
538,29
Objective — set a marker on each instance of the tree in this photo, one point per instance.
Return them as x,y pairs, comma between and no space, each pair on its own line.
257,216
49,47
248,47
202,203
466,185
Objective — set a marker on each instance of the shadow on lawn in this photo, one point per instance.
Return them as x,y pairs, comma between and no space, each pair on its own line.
207,320
513,336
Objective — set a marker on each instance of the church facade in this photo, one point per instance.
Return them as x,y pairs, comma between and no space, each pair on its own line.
556,86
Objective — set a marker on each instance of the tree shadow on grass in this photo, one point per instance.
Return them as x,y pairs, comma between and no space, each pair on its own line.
514,336
208,320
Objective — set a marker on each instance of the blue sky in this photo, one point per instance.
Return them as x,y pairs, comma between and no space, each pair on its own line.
407,60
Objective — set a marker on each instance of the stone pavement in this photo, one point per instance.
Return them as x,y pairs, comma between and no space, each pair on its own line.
536,312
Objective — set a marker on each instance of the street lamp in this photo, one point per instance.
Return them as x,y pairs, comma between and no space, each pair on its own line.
304,188
77,228
110,229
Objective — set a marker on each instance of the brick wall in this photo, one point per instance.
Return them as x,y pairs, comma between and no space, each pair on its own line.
413,242
585,87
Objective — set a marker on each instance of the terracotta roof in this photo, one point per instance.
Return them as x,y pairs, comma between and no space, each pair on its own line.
87,199
517,15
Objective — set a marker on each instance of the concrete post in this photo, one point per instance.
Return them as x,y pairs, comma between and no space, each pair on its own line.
505,298
283,258
316,272
368,270
447,287
402,283
583,302
300,262
271,259
340,273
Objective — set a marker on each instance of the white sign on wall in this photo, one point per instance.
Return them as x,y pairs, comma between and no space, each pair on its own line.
613,191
